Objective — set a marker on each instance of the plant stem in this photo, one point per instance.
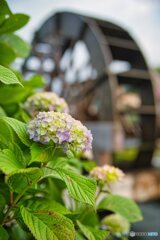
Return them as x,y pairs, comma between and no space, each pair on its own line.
11,198
99,191
13,203
20,195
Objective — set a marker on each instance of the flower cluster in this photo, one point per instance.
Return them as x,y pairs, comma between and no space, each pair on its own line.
107,174
62,129
45,101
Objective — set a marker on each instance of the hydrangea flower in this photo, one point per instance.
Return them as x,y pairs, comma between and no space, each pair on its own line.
107,174
45,101
61,129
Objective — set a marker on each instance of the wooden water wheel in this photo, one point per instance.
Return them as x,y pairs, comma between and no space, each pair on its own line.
96,65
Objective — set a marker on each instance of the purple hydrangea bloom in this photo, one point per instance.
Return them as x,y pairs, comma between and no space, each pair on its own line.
45,101
63,136
61,129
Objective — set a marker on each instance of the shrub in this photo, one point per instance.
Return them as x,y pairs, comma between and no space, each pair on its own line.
43,194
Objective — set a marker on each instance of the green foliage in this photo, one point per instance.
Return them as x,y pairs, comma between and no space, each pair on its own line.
7,54
5,133
41,153
7,76
43,194
80,188
36,81
19,46
9,161
45,204
3,234
2,112
2,203
14,22
23,178
4,9
122,205
46,225
92,233
19,128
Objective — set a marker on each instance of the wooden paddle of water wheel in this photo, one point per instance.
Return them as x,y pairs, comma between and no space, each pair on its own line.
99,69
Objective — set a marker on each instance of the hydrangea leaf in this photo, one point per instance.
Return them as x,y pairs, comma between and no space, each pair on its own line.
44,204
16,93
2,112
122,205
81,188
23,178
4,8
41,153
19,46
3,233
88,215
9,161
21,158
6,132
2,18
79,236
7,54
36,81
46,225
14,22
8,77
19,128
92,233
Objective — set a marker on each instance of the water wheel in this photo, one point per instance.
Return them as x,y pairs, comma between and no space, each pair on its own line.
98,67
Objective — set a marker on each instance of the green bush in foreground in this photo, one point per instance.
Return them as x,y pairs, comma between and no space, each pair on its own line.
43,194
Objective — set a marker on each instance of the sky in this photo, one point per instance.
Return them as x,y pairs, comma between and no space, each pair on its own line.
140,17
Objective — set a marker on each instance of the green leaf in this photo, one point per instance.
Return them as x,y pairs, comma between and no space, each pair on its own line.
9,162
7,54
49,170
3,234
19,46
8,77
126,207
79,236
14,22
44,204
92,233
4,8
88,215
4,191
23,178
17,94
18,233
41,153
2,18
36,81
19,128
18,154
48,225
5,132
2,112
88,165
81,188
2,203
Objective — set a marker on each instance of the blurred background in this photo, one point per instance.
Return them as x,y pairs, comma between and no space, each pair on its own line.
104,58
140,17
